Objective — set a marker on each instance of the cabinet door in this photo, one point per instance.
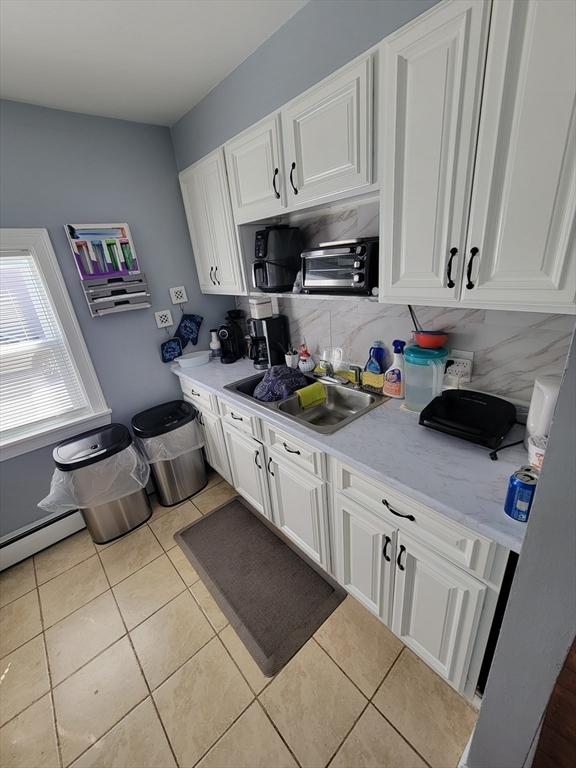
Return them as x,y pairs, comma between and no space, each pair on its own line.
256,173
299,508
524,198
207,203
436,609
327,136
365,552
247,467
215,447
431,79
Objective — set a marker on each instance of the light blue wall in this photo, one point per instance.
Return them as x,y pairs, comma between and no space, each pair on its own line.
59,167
321,37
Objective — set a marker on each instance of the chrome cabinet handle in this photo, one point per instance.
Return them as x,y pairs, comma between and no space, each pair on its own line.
292,169
269,470
290,450
387,542
256,457
276,193
470,284
451,283
398,563
398,514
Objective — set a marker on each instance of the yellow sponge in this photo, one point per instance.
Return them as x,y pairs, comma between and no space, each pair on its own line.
313,394
374,380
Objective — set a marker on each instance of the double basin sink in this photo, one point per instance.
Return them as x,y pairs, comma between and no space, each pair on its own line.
342,405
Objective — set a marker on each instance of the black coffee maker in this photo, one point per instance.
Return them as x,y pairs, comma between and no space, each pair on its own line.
269,341
231,337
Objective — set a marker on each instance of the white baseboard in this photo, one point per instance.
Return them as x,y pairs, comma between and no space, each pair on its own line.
32,538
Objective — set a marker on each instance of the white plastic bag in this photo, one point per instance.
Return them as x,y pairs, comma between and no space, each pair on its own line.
172,444
99,483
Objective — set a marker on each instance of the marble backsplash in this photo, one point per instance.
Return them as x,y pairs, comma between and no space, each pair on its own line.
510,348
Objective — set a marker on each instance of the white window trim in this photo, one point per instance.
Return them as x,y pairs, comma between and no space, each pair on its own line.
37,241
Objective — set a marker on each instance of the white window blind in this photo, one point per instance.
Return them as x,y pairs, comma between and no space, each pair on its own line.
40,385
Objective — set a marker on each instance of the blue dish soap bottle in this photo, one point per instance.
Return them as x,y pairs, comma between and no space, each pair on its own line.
377,358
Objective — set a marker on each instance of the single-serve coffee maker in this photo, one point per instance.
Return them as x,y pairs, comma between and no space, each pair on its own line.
269,340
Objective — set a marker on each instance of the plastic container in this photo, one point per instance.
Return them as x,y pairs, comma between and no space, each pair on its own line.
394,378
102,474
171,440
260,308
424,371
193,359
430,339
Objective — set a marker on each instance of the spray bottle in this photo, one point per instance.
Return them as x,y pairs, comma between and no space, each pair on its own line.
394,376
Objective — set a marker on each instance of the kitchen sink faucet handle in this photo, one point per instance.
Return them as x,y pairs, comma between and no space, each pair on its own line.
357,371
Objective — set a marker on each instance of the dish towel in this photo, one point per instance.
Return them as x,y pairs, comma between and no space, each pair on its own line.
313,394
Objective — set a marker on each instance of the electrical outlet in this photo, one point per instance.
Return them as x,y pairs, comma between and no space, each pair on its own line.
164,318
459,367
178,295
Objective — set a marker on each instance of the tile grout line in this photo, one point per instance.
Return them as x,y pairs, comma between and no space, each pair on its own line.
51,687
273,724
24,593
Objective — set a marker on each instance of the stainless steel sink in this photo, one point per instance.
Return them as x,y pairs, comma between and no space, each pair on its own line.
343,404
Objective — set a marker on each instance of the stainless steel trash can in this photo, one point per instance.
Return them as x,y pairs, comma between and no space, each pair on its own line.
167,430
113,518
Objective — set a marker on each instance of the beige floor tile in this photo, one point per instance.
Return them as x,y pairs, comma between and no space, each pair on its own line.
138,741
251,742
23,678
96,697
166,526
183,566
75,640
19,622
17,581
360,644
71,590
62,556
129,554
426,711
213,479
141,594
313,705
373,743
170,637
214,497
200,701
209,606
29,741
158,509
251,671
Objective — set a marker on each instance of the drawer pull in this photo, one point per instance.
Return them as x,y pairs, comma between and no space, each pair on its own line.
194,393
290,450
236,418
269,470
256,457
398,563
387,542
398,514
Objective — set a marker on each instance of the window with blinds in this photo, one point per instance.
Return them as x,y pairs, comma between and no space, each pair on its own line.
40,385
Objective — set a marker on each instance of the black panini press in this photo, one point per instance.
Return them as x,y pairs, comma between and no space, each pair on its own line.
472,416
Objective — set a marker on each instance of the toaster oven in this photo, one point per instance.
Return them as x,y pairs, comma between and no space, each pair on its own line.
344,266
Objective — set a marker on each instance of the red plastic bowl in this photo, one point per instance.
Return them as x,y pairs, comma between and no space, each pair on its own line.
430,339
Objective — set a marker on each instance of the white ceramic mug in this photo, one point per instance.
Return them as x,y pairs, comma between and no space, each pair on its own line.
291,360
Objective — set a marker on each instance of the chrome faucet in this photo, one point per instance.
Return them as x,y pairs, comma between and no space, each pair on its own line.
357,371
330,375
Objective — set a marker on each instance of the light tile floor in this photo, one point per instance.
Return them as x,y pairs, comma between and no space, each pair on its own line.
117,656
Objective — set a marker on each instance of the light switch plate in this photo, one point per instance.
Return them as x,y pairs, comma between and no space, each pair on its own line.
164,318
178,295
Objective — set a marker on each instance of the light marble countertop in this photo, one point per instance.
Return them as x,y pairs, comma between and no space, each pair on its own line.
451,476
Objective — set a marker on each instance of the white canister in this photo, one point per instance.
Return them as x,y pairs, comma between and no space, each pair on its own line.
291,359
260,308
536,450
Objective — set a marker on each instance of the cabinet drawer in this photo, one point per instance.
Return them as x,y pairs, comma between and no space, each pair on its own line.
294,450
240,419
463,547
199,397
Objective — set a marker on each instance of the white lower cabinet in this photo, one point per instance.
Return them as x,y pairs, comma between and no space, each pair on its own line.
299,508
214,446
436,609
365,552
247,467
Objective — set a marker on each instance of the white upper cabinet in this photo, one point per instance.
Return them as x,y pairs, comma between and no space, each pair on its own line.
207,203
256,172
430,87
524,197
327,135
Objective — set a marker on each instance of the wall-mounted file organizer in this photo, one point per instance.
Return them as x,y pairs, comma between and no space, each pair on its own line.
106,295
102,250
